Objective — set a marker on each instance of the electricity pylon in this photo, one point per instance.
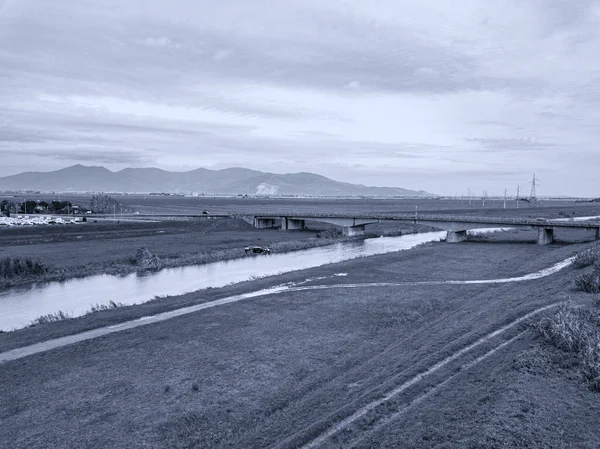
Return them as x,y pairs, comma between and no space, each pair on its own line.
534,184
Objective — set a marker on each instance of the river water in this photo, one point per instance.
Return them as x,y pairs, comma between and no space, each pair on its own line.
19,306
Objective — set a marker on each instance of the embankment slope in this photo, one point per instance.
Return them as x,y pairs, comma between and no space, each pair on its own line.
285,368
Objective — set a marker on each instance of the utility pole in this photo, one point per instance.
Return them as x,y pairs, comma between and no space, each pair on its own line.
518,192
114,213
504,198
469,195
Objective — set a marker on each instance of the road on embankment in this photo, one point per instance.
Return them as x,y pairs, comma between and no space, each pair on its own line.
285,370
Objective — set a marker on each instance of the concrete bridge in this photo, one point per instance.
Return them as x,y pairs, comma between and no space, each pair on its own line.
350,225
456,226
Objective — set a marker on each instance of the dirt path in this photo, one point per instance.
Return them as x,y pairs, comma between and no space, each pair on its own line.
48,345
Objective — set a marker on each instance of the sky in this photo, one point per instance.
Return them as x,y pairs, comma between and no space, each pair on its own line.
447,97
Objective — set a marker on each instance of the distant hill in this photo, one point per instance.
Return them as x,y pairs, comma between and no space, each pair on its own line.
80,178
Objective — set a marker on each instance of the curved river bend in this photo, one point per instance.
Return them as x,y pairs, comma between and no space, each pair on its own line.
19,306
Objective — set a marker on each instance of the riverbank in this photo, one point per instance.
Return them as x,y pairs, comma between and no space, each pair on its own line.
415,264
130,264
282,369
110,248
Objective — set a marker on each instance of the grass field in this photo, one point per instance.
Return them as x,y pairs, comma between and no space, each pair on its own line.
280,370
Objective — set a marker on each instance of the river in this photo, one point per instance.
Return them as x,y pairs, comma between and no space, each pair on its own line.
20,305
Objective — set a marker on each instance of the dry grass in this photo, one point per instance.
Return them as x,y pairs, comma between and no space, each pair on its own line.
100,307
145,260
17,270
587,258
62,316
589,282
576,330
51,318
590,362
15,267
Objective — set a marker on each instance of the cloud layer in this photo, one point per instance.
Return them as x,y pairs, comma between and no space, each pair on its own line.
441,96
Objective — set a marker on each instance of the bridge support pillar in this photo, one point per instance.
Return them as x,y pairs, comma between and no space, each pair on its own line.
289,224
350,231
456,236
545,236
264,223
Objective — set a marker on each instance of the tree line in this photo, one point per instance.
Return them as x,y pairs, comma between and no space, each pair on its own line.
99,204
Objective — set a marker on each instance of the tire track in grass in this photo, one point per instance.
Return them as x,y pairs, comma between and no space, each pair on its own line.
398,413
48,345
363,411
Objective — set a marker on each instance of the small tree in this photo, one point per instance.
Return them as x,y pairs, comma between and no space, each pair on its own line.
28,207
7,207
104,204
59,207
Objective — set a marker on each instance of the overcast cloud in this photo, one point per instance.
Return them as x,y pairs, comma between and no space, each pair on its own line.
434,95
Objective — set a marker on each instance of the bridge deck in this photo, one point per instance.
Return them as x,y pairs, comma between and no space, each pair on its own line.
536,222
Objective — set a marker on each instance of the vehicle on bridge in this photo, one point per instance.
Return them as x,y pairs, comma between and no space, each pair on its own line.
256,250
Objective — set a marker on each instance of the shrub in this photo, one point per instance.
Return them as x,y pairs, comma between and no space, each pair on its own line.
104,204
145,260
51,318
109,306
575,330
13,267
591,362
568,329
589,282
589,257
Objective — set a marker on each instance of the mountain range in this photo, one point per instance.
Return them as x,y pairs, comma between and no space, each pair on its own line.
80,178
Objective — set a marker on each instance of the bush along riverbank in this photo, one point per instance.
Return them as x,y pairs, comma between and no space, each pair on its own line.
15,270
575,330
